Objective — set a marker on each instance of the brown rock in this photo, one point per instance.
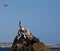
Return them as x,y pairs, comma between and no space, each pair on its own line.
25,41
40,47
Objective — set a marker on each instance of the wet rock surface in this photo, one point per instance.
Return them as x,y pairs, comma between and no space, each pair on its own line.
25,41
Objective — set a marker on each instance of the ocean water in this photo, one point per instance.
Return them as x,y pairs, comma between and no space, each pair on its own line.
8,49
4,49
55,49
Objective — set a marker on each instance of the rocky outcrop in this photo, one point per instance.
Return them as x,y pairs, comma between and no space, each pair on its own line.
25,41
38,46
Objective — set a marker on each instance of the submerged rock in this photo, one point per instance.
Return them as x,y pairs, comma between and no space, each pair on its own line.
25,41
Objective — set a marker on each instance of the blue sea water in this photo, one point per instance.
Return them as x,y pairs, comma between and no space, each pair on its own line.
4,49
56,49
8,49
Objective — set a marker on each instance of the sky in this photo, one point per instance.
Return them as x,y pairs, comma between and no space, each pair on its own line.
42,17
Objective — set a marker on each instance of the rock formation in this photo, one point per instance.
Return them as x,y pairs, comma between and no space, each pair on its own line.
25,41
